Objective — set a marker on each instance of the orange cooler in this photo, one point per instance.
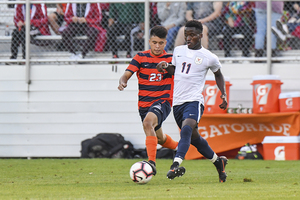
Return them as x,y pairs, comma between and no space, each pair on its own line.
266,90
211,95
281,147
289,102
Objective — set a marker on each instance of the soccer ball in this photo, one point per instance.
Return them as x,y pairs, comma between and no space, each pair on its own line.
141,172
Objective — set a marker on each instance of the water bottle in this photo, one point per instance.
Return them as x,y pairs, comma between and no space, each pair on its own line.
7,33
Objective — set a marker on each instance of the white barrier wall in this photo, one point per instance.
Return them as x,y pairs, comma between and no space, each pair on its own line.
66,104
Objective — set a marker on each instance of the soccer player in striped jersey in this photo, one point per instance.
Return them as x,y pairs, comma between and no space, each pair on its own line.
190,64
155,91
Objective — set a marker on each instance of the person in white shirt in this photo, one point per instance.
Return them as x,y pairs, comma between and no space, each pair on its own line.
190,64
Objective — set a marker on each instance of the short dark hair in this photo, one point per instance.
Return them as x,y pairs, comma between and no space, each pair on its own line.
159,31
196,24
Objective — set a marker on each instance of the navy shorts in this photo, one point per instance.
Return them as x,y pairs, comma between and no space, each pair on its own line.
160,108
193,110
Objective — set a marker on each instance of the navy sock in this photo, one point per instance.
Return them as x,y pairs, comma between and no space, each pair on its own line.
184,142
202,146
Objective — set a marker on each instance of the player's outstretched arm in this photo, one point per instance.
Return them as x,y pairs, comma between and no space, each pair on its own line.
124,79
163,65
221,85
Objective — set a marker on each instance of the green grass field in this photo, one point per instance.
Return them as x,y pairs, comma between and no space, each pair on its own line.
109,179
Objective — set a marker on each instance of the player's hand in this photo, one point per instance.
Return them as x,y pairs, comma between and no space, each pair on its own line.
162,66
122,85
223,105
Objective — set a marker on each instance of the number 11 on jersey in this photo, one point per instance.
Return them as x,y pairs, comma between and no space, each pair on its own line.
187,69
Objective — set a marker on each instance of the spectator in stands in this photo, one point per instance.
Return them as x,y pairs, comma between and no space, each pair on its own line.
154,20
208,13
38,22
137,33
292,27
261,25
123,17
56,18
137,38
172,18
83,19
105,14
237,17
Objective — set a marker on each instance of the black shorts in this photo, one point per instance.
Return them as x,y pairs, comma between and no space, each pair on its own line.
160,108
60,18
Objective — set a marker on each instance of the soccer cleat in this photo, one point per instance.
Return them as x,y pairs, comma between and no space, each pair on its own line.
175,171
153,165
220,164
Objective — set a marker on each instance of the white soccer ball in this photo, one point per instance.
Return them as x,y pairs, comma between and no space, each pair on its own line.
141,172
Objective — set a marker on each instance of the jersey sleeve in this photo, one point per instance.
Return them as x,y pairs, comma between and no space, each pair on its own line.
214,63
134,64
174,57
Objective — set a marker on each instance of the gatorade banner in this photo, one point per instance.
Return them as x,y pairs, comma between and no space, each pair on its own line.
225,132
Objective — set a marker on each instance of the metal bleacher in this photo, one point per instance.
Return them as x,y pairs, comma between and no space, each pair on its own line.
6,18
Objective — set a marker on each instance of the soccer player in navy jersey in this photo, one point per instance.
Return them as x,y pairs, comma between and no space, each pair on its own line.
155,91
190,64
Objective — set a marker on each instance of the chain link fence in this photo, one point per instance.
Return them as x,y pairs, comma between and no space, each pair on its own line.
62,31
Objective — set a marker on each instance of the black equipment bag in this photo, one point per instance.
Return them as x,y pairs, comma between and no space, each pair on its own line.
107,145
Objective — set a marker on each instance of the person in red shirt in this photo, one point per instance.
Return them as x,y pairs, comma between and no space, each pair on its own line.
155,92
83,19
38,22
